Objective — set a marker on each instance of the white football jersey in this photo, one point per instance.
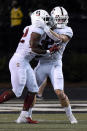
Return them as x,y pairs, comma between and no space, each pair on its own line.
57,55
24,49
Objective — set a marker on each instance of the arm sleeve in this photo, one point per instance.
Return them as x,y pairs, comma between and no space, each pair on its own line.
38,30
35,29
68,31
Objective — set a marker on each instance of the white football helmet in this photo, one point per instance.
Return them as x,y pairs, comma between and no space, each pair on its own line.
60,17
39,15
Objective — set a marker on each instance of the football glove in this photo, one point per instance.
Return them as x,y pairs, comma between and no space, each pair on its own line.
40,23
55,48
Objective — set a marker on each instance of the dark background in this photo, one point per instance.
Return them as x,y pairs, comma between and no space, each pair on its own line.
75,55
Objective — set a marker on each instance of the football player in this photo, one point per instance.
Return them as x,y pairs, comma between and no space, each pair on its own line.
51,65
21,72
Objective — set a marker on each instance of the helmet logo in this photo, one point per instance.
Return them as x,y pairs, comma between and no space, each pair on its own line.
38,13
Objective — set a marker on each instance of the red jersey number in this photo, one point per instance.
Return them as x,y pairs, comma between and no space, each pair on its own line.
24,35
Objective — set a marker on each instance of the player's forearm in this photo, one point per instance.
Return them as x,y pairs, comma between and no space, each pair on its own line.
62,38
37,48
56,37
52,34
39,51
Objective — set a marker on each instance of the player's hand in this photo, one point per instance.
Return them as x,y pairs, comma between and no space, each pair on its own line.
54,48
39,23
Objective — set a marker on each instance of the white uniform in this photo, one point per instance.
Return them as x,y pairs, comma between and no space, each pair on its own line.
21,72
51,65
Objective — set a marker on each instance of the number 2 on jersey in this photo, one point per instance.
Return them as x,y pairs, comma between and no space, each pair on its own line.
24,35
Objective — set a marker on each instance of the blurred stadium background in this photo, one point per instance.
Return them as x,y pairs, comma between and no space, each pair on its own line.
75,55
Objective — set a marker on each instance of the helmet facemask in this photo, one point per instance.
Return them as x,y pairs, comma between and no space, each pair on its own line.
61,21
46,19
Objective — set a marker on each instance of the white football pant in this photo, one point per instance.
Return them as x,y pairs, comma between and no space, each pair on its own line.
22,75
